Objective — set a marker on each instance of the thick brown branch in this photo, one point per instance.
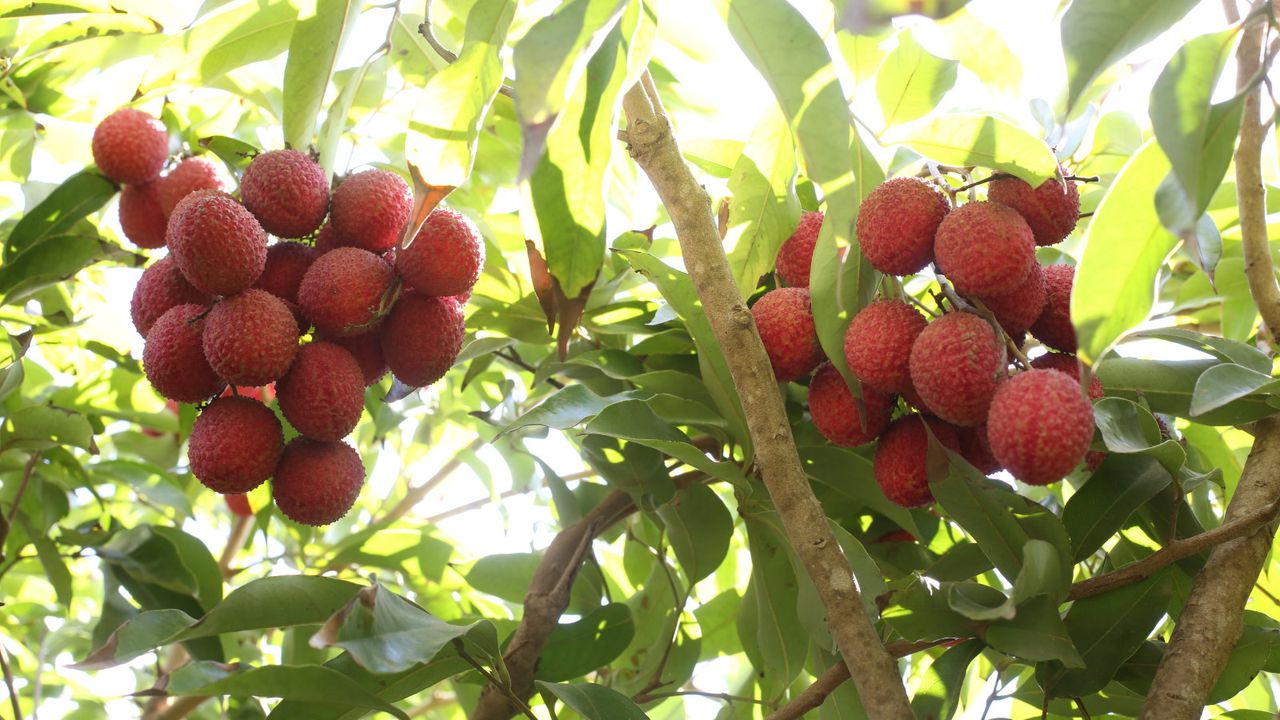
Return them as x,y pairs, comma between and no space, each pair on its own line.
548,596
1173,552
834,677
1212,618
654,149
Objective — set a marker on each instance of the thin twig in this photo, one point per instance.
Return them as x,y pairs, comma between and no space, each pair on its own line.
236,539
9,683
493,679
27,471
418,492
726,697
514,358
445,53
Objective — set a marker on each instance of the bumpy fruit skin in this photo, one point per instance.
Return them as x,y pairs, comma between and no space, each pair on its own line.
316,483
796,254
422,338
173,358
1040,426
370,209
1053,327
161,287
328,239
190,175
445,257
140,215
878,343
322,395
250,338
219,246
901,459
784,318
897,223
955,366
130,146
835,411
1050,210
976,449
347,292
985,249
235,445
1020,307
1069,365
287,263
287,191
367,350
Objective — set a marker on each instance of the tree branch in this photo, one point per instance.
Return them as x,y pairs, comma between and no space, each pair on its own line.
445,53
6,522
1212,619
548,596
235,543
9,684
416,493
654,149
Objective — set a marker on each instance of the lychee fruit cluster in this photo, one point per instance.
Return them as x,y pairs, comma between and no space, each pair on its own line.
321,313
961,375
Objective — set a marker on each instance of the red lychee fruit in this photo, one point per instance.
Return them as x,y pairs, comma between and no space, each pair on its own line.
370,209
287,263
1017,309
422,338
975,448
784,318
239,505
956,363
173,358
1053,327
316,483
897,223
1069,365
130,146
985,249
900,463
218,245
895,536
190,175
328,239
287,191
347,292
161,287
1040,425
140,216
367,350
796,254
835,411
322,395
235,445
1051,210
877,344
250,338
445,257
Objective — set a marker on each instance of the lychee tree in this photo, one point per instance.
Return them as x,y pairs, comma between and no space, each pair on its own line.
618,359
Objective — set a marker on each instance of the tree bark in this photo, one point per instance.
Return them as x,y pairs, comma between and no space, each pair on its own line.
653,147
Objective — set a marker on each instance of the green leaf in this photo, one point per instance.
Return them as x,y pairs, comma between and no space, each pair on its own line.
1125,247
235,154
313,683
1197,136
567,184
939,693
1097,511
53,261
41,427
1098,33
564,409
390,688
1167,386
769,608
1127,427
699,527
853,476
1221,348
17,142
1223,384
919,611
982,507
316,41
581,647
197,560
1036,633
1041,573
594,702
236,34
972,139
912,81
677,290
1246,661
1108,629
635,421
550,61
387,634
448,113
75,199
978,602
508,575
764,210
55,568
